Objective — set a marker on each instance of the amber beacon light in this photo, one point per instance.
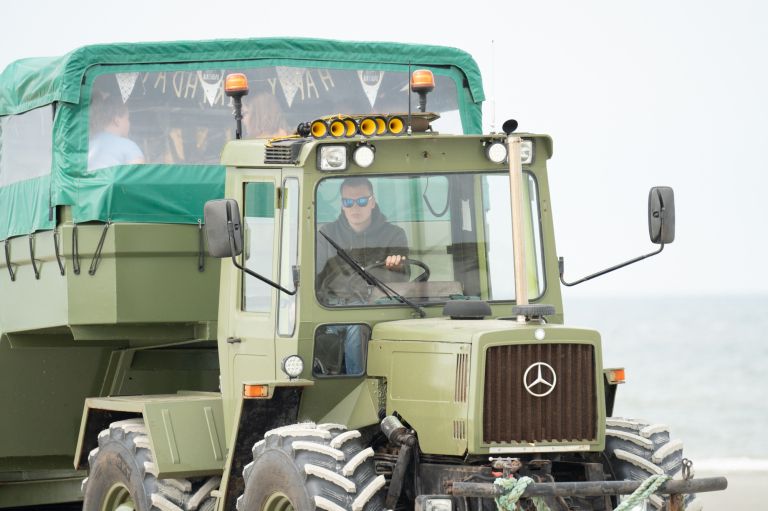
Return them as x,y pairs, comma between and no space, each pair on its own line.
422,83
236,83
236,86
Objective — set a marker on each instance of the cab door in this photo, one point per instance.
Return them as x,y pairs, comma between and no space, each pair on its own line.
257,322
249,328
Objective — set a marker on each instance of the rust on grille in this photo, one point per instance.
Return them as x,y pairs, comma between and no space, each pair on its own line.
512,414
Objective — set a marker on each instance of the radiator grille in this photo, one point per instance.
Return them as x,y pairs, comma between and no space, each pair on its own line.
568,413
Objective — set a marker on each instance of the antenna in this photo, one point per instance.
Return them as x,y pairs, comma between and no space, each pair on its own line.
493,86
408,130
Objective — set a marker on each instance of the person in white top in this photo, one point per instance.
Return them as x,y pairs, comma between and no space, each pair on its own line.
110,125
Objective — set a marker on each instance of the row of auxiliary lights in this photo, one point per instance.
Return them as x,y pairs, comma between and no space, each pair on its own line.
341,126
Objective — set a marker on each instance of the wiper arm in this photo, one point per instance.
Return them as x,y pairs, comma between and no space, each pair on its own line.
370,278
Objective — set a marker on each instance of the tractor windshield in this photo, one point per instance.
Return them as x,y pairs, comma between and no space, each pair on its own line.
453,232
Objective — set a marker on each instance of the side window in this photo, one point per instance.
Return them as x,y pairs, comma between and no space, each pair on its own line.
258,252
26,145
341,350
498,228
110,140
179,114
289,255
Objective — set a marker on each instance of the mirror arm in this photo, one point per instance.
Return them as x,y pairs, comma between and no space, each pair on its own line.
231,230
561,266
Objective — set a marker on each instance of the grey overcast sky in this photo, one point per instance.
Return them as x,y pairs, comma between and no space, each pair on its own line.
635,94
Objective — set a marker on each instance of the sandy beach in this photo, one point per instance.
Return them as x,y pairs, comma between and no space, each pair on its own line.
746,490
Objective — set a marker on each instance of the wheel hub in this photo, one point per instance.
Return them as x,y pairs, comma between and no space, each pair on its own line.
118,499
278,502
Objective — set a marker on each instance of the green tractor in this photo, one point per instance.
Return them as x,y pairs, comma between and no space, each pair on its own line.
384,329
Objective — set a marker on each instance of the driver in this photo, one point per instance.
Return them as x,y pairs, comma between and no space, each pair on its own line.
364,233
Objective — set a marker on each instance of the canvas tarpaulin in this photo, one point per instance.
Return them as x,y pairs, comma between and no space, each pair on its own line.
174,185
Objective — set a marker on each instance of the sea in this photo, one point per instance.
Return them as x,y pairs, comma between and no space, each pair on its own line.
696,363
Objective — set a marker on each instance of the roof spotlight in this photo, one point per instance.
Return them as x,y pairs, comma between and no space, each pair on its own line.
496,152
364,155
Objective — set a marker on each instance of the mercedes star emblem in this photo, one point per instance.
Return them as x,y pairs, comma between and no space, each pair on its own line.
539,376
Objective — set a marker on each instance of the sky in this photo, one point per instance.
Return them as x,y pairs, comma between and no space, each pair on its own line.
634,94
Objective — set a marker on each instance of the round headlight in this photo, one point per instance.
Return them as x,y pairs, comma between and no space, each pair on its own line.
293,365
364,156
496,152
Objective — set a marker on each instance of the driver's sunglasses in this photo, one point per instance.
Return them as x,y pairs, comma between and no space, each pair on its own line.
361,201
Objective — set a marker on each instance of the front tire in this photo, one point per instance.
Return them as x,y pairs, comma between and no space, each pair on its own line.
122,476
636,450
304,467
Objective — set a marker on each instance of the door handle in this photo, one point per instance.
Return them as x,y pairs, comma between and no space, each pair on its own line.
234,340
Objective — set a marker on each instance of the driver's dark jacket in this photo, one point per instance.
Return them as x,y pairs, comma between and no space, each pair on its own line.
336,282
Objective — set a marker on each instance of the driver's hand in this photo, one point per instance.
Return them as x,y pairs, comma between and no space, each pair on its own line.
394,262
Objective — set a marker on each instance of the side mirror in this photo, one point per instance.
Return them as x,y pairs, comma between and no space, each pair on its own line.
222,228
661,215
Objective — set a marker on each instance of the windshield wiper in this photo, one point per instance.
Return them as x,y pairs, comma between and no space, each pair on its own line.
371,279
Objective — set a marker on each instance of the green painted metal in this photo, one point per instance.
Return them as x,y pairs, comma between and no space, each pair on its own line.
143,275
186,431
54,489
43,376
421,384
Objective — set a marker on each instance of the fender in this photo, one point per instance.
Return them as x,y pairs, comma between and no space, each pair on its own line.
186,431
253,418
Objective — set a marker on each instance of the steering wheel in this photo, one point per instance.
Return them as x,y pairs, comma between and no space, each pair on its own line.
422,277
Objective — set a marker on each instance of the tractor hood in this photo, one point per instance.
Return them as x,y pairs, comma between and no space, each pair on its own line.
467,330
461,384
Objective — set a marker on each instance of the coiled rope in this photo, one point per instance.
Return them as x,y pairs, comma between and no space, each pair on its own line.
643,491
514,489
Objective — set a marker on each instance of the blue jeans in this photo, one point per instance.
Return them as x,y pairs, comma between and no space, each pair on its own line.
352,338
353,349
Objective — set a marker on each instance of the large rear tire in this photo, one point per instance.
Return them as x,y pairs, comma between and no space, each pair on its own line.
122,476
637,450
304,467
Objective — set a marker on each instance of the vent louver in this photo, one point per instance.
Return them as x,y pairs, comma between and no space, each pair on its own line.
283,152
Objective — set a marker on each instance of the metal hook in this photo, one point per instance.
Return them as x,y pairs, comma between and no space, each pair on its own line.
201,247
99,247
75,251
8,260
32,256
56,248
687,469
